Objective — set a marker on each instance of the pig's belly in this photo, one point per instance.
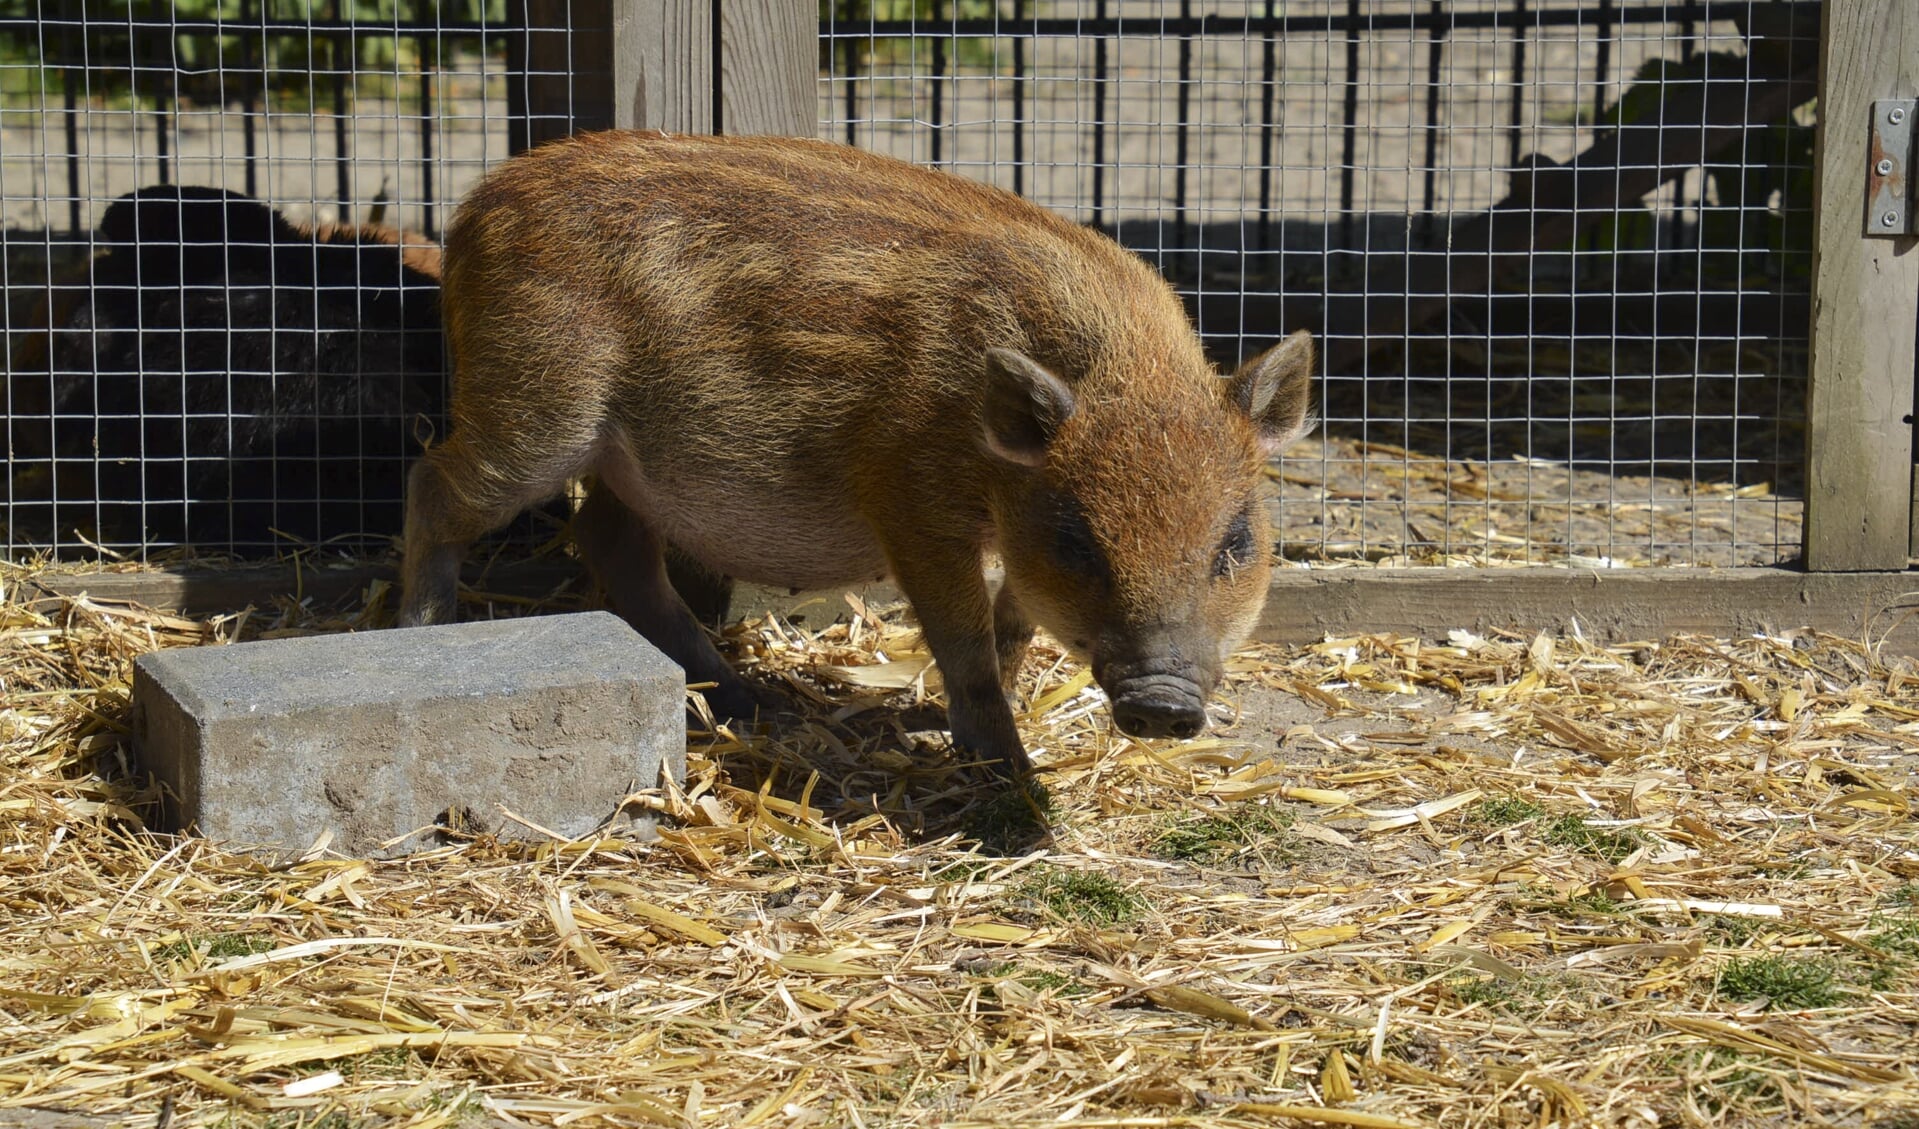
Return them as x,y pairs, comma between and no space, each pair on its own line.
764,534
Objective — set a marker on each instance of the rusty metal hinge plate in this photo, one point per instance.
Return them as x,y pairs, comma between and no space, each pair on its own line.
1889,205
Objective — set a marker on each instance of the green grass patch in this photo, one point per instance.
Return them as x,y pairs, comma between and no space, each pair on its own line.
1504,811
386,1062
1898,935
1732,932
215,946
1540,899
1084,897
1885,975
1593,902
1045,980
304,1119
1610,843
1724,1080
1528,996
1786,981
1257,830
1014,819
965,870
1898,938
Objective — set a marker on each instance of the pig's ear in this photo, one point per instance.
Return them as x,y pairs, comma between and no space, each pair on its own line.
1275,390
1025,406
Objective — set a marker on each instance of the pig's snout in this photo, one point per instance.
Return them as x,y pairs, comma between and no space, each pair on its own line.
1156,714
1149,700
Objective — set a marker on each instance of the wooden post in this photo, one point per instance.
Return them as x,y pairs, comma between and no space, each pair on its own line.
663,65
618,64
684,66
1865,296
769,55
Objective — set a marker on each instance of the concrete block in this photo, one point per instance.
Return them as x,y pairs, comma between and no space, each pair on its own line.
378,735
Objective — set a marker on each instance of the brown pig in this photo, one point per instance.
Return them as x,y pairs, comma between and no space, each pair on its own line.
805,365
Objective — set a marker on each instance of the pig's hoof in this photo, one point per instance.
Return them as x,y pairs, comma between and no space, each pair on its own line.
1010,766
742,704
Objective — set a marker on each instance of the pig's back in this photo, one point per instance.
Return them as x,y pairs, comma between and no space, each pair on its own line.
849,268
769,328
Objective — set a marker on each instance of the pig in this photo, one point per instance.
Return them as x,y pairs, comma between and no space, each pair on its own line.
804,365
219,373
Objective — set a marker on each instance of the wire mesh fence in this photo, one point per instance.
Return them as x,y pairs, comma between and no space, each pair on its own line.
1557,251
221,259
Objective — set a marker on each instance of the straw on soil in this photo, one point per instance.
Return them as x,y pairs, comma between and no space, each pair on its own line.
1480,882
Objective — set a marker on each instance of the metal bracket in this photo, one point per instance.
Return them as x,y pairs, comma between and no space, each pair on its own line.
1889,205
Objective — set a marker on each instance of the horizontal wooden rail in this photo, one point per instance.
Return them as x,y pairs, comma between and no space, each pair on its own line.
1304,606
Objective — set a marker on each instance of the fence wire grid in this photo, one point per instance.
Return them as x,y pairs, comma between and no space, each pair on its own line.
221,260
1557,252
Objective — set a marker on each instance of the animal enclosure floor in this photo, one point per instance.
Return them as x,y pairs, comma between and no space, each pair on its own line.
1470,882
1343,499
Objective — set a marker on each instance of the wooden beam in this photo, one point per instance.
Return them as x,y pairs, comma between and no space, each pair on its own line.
663,65
1865,294
1303,606
769,60
1611,605
637,64
214,591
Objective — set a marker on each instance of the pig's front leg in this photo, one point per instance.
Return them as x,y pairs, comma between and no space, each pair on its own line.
943,580
1012,637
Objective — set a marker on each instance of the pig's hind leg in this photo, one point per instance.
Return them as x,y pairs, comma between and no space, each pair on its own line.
453,497
708,594
629,560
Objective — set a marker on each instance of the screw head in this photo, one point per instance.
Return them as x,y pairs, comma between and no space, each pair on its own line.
1884,167
1896,116
1890,219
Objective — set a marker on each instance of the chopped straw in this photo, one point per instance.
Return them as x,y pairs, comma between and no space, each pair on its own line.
1494,881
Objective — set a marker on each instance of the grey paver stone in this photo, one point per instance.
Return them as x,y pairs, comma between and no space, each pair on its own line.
379,736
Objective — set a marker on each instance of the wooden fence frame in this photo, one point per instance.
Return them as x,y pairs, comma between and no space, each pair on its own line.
1860,474
697,65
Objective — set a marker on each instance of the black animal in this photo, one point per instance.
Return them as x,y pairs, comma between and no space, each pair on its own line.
220,377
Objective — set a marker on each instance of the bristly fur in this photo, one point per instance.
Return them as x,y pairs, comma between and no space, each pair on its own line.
773,354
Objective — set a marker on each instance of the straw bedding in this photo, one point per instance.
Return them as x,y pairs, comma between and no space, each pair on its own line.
1472,882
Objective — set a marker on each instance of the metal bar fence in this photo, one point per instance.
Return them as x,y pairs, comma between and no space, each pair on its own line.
242,358
1557,251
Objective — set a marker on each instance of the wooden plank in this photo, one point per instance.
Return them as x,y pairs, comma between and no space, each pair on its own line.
1865,295
663,65
1305,605
1912,542
1612,605
214,591
769,54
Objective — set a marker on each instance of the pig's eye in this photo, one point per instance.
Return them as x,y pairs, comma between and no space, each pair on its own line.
1074,548
1236,548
